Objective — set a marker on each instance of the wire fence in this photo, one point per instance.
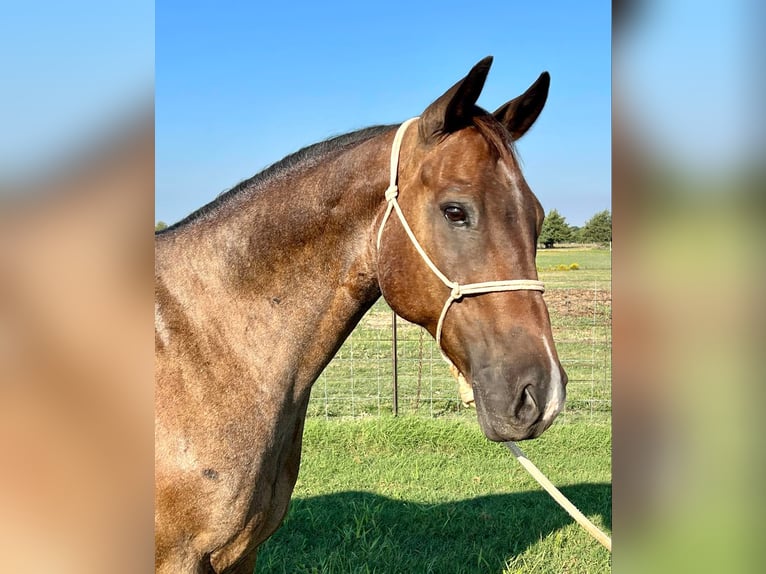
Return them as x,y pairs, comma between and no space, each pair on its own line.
361,380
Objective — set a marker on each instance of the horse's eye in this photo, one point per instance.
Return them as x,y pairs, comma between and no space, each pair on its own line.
455,214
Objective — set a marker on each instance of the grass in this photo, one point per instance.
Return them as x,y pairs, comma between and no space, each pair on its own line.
415,494
595,266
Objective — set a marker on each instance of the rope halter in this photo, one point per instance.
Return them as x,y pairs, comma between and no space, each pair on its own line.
457,291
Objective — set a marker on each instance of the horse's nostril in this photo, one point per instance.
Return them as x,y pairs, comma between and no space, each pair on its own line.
527,411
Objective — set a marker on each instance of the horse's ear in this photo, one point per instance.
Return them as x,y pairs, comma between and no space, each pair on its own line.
454,109
520,113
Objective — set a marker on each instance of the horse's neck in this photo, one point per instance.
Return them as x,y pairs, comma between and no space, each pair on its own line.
281,277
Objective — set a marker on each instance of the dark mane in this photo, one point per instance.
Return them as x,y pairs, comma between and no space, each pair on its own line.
301,159
493,131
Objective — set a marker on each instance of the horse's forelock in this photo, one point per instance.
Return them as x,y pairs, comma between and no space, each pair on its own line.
496,135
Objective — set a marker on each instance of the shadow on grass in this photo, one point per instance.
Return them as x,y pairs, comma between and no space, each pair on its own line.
365,532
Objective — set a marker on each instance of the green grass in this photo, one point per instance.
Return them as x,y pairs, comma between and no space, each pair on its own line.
416,495
587,257
595,267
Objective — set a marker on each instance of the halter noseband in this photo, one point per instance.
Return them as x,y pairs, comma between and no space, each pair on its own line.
457,291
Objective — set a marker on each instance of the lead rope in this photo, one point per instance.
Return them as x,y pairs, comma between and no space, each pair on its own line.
457,291
559,497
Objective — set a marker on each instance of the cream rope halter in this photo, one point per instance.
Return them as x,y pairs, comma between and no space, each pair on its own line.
457,291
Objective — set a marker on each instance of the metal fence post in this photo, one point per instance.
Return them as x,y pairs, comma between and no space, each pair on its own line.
394,364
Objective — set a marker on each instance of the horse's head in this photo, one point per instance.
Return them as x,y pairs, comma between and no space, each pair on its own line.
467,205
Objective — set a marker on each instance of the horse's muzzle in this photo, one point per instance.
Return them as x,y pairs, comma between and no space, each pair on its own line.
517,406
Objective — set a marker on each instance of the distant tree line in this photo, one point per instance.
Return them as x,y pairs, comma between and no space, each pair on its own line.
598,229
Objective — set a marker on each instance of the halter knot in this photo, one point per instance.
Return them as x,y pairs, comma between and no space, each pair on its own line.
456,293
392,192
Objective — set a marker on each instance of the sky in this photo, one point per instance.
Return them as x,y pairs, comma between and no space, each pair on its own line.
240,85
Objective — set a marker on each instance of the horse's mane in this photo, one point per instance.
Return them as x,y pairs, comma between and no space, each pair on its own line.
493,131
301,159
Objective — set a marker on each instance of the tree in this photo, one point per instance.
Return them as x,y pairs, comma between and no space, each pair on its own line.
598,229
160,225
555,229
574,233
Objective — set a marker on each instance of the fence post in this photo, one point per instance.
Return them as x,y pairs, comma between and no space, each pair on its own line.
394,363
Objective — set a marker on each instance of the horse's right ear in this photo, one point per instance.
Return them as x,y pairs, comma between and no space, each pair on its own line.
454,109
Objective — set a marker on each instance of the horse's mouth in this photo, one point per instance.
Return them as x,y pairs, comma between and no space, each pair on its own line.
498,431
526,419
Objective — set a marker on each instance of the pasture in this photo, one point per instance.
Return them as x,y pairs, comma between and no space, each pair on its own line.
417,494
425,491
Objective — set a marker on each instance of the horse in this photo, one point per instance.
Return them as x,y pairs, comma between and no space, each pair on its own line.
256,291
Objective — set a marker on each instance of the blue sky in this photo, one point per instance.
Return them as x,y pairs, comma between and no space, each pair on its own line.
239,85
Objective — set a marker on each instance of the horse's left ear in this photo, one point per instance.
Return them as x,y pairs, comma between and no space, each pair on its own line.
520,113
454,109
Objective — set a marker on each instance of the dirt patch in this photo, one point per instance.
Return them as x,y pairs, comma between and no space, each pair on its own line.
578,302
377,320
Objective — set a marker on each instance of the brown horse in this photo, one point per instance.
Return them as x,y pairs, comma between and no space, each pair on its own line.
256,291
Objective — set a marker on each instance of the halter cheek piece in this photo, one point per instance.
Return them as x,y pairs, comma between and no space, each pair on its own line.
457,291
